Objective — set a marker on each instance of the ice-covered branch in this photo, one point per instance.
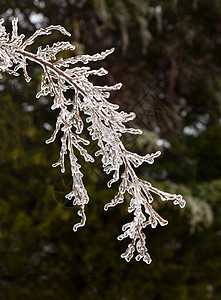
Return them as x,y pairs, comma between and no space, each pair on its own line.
107,125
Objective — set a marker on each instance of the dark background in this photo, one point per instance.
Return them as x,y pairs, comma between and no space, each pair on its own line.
168,58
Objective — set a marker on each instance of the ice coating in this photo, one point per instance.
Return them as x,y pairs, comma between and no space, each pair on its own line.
106,126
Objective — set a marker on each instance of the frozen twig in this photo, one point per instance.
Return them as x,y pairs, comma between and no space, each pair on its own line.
106,126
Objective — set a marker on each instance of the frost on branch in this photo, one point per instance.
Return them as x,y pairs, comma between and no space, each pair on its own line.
106,125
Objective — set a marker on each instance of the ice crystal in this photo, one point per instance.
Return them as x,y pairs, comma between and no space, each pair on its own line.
107,125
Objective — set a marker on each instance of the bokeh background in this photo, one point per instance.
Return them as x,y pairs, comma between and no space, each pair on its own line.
168,58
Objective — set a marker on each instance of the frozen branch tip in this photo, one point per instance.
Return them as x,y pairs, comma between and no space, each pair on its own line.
107,125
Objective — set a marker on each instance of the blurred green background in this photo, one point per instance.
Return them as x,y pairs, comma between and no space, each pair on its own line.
168,58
